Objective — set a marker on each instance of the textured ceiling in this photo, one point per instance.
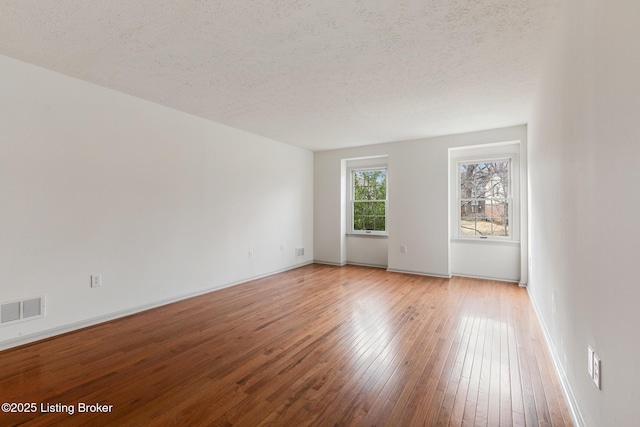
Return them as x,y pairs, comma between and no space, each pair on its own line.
319,74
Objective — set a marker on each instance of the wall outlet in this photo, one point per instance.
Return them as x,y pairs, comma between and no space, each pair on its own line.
250,254
299,252
590,361
96,280
281,247
403,249
596,370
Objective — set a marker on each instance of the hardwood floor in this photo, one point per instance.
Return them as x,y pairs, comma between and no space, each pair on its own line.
319,345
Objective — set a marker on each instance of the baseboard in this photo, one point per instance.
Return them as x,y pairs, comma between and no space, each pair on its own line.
70,327
338,264
419,273
499,279
564,382
366,265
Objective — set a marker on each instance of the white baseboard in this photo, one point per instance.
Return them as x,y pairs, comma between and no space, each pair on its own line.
70,327
366,265
338,264
564,382
499,279
419,273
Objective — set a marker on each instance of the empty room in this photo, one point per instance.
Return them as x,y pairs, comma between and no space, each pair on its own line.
296,212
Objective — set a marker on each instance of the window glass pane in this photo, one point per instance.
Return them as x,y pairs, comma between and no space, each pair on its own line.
468,227
483,194
358,223
373,192
378,208
369,186
500,228
466,209
483,225
369,223
382,191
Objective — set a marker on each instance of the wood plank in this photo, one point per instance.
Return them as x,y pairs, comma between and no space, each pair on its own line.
318,345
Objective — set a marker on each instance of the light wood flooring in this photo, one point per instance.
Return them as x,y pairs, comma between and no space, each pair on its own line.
318,345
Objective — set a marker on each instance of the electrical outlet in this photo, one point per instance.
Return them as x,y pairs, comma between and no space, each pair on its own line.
596,370
281,247
590,361
403,249
250,254
96,280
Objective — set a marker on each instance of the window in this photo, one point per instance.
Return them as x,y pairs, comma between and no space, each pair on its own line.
484,198
369,201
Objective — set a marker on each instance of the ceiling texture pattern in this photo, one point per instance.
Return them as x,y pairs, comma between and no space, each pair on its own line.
319,74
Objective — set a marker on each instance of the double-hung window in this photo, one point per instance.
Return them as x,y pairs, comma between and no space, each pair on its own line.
369,201
484,198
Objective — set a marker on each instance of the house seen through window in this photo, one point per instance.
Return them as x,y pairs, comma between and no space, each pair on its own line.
484,198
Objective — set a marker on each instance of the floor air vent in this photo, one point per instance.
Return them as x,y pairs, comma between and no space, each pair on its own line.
15,311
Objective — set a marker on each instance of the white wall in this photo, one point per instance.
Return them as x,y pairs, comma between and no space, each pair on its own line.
367,250
161,203
418,199
362,249
490,260
584,153
495,259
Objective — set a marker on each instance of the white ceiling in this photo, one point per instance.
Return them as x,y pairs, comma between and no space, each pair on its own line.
318,74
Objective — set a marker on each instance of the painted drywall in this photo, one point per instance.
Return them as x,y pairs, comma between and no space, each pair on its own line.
367,250
499,260
364,250
583,159
418,214
161,203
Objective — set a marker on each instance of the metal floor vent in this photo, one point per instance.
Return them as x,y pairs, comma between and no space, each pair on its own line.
26,309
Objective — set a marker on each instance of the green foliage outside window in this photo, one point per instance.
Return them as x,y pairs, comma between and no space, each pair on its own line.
369,200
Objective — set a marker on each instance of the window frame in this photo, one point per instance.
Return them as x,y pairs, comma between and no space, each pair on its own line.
509,198
351,201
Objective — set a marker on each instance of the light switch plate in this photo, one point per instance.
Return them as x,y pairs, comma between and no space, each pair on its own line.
590,361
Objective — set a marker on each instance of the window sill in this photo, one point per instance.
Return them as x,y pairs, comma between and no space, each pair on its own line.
479,241
380,236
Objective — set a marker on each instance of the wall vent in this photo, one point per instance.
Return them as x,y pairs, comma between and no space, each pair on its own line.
27,309
299,251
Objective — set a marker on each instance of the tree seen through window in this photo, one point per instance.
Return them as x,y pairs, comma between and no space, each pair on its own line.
369,200
484,198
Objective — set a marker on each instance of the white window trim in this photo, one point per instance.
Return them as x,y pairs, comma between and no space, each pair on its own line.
513,225
351,201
